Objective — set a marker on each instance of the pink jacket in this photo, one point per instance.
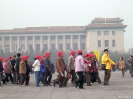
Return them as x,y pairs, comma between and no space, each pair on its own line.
79,64
4,65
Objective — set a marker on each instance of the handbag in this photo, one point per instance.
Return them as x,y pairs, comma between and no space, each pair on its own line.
103,67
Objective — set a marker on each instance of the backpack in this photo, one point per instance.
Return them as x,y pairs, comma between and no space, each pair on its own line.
42,69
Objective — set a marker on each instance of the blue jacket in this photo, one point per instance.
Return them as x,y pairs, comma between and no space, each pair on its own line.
42,68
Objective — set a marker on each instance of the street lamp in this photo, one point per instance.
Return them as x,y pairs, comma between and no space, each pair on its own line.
19,50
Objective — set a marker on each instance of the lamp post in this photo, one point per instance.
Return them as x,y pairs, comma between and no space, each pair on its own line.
19,50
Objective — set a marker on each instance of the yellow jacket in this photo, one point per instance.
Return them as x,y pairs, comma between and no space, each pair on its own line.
107,61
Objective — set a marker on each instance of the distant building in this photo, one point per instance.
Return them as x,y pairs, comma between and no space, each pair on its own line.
99,34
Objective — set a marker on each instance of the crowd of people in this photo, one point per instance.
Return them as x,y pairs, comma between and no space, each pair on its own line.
80,68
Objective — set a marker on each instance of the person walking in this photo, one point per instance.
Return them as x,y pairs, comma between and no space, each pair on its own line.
60,67
27,71
87,70
122,66
130,60
1,70
22,71
95,63
107,62
42,69
48,70
71,68
8,70
93,68
17,68
30,66
80,69
13,62
36,66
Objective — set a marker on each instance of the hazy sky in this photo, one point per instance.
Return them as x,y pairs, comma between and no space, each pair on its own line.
28,13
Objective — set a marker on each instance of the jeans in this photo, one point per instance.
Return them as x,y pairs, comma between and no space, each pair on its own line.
37,77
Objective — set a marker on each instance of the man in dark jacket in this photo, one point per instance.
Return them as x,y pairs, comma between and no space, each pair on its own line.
48,70
130,60
13,62
17,67
27,71
1,69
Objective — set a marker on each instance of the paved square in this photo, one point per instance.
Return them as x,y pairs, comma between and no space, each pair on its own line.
119,88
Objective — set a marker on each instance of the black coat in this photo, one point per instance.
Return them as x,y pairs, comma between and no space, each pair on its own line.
17,64
27,67
1,67
13,62
47,64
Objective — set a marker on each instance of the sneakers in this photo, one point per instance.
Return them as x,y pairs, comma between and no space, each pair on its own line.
22,85
38,86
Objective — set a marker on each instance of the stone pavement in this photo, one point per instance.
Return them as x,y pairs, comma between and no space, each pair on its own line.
119,88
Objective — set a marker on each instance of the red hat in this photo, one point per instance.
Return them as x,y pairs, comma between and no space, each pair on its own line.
43,56
23,58
60,53
38,57
79,51
88,54
72,53
85,55
47,53
1,58
26,57
92,55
